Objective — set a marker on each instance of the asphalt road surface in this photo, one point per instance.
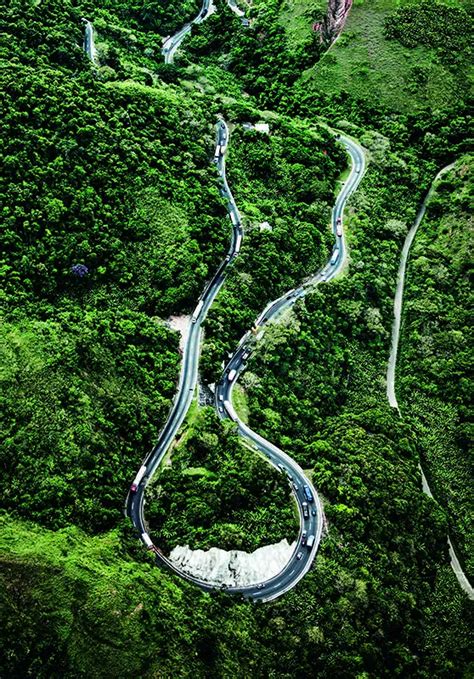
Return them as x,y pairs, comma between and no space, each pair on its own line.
89,46
172,43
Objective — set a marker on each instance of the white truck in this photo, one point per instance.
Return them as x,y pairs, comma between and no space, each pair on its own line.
197,311
138,478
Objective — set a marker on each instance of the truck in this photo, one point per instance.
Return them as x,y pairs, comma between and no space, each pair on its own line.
217,154
310,541
230,411
308,494
138,478
335,256
238,242
231,375
147,540
197,311
305,510
339,227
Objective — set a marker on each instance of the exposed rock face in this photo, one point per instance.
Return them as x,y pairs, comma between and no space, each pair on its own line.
234,568
334,21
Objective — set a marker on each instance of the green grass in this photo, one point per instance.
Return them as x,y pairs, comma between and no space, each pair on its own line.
297,18
239,400
198,471
366,64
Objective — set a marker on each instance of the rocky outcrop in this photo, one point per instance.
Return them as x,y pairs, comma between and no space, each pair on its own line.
234,568
334,21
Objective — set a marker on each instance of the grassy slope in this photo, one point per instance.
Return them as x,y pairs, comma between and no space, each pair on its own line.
67,599
297,18
363,62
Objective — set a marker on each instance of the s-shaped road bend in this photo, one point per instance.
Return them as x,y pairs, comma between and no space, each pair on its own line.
172,43
311,517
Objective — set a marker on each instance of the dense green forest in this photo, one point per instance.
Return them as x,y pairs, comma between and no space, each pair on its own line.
284,186
112,221
435,372
216,492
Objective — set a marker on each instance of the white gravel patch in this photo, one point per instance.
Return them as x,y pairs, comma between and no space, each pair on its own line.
234,568
180,324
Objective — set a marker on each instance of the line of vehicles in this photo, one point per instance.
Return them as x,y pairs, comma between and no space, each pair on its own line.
309,504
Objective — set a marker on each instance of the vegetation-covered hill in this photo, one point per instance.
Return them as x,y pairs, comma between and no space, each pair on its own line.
112,220
412,55
435,371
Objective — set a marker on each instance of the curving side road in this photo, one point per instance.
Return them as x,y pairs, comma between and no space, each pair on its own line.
398,301
89,45
392,361
172,43
304,554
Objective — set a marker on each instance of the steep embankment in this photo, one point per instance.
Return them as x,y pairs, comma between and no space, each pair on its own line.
334,21
434,386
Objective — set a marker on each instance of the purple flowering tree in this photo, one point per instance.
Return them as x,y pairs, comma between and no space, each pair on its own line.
79,270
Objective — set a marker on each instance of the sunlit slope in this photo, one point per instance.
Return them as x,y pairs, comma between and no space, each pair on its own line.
370,66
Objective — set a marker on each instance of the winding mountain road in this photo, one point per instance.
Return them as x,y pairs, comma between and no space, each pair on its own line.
311,518
172,43
398,301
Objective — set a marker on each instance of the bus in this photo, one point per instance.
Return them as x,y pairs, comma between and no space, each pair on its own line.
231,375
308,494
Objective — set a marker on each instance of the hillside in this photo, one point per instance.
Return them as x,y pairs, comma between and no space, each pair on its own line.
435,364
411,59
114,220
